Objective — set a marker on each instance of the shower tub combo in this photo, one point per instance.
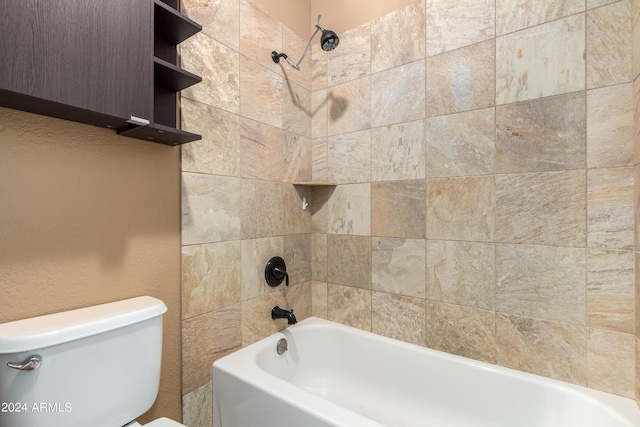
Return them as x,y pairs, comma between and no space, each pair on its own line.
334,375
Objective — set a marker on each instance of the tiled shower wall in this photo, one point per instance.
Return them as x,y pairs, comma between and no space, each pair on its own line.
484,155
635,45
239,207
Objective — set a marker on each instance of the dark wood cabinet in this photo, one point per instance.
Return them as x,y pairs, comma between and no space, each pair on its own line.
96,62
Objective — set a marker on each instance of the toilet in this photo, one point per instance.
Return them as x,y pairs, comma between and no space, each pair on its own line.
92,367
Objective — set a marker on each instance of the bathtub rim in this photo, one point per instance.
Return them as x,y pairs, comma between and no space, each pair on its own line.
243,366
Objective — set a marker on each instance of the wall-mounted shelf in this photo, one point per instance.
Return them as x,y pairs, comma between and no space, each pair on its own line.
171,25
101,63
171,77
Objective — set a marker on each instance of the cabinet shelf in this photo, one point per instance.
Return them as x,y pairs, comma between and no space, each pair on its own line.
92,78
171,25
171,77
159,133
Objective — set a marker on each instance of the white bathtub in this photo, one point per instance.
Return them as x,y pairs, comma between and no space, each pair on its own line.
334,375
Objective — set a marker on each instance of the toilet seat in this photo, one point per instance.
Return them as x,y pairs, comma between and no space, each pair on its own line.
160,422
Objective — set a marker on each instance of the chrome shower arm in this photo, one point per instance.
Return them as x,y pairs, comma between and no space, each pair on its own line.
318,28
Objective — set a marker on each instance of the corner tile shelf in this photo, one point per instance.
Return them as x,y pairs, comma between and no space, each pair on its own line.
315,184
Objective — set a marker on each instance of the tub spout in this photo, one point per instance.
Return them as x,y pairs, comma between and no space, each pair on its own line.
279,313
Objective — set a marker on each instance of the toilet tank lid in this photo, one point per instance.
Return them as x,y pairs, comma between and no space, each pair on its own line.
53,329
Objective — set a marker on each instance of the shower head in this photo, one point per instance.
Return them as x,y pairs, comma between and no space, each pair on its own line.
328,41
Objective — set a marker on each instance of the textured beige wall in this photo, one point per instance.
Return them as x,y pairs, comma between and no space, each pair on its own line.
337,15
295,14
341,15
88,217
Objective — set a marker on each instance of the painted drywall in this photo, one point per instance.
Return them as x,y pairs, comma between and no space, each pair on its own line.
295,14
340,15
89,217
337,15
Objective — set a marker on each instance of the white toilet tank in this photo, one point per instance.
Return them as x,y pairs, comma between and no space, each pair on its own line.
100,366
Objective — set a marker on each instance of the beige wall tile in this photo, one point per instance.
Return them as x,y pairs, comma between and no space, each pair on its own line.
320,306
609,45
319,113
220,19
319,257
256,313
210,208
261,93
543,282
319,60
319,165
461,273
218,66
398,94
544,348
610,290
298,298
545,134
255,254
398,37
611,362
296,109
541,61
451,25
349,306
636,116
297,255
349,261
514,15
262,213
398,209
635,38
460,144
597,3
350,106
464,331
352,60
637,292
297,158
545,208
219,150
398,152
320,197
205,339
293,45
636,203
210,277
461,80
197,407
461,209
296,219
399,317
259,34
349,157
637,371
398,267
350,210
610,215
261,150
610,139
